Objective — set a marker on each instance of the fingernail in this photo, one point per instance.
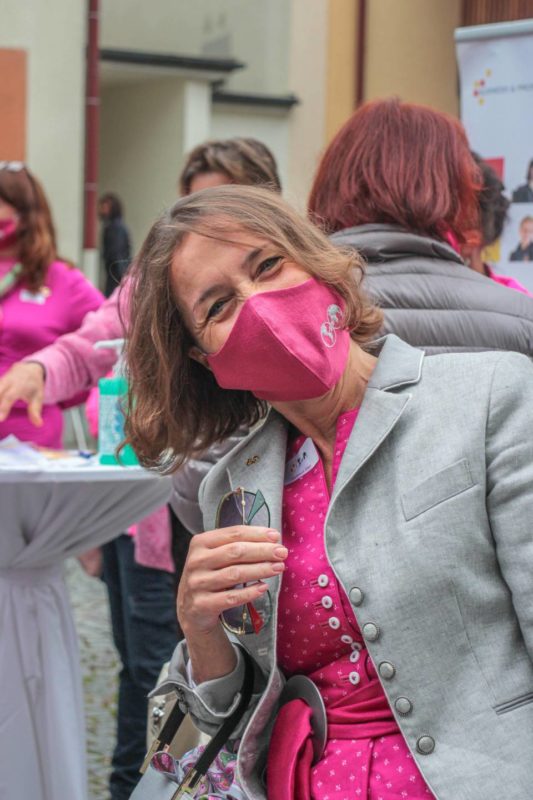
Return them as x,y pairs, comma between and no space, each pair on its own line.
273,535
278,567
281,552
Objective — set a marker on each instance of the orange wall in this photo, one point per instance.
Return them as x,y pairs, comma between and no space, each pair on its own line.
410,51
340,75
13,104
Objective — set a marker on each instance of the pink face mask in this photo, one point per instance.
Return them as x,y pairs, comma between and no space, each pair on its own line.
8,231
287,344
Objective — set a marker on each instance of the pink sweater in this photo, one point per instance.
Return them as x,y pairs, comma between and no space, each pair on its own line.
31,320
72,364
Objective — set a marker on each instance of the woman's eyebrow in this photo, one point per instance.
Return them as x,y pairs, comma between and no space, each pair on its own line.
216,288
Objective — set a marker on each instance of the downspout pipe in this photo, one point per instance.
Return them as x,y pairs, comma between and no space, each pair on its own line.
360,53
92,121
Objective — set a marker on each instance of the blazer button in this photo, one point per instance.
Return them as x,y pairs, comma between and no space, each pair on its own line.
403,706
371,632
356,596
334,623
387,670
425,745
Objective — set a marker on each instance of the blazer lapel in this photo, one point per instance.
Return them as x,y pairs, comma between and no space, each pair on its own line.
398,365
379,413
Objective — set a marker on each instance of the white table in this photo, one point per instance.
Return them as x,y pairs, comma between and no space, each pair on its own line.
46,516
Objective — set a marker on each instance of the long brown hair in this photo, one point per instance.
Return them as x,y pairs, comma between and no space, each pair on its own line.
176,407
36,234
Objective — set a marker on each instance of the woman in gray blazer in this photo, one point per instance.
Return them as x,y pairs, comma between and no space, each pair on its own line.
392,564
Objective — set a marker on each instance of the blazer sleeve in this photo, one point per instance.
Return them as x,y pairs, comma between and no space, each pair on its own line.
509,459
211,702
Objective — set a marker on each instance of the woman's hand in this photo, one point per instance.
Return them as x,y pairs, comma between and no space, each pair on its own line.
24,381
219,560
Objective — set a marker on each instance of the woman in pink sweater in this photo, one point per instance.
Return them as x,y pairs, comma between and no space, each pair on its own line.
41,297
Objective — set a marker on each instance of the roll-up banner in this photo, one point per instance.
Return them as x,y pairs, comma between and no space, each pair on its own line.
496,80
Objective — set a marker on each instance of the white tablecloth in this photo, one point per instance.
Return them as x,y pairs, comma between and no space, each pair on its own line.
45,517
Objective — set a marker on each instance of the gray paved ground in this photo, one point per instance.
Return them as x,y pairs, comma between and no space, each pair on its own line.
99,668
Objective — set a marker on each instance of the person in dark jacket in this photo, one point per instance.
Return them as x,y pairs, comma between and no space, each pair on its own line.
524,194
398,183
116,248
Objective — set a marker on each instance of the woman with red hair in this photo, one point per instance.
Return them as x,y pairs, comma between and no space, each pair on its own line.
399,184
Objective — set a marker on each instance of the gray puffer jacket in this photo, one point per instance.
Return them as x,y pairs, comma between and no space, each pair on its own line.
432,300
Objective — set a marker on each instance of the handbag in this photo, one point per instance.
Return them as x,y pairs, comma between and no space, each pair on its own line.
157,785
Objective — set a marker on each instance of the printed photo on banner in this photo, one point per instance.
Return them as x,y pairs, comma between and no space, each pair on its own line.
516,245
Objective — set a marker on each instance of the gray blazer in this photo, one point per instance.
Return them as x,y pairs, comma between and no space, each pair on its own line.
429,531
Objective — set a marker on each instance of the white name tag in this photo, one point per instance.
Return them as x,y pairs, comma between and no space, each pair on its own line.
31,297
303,462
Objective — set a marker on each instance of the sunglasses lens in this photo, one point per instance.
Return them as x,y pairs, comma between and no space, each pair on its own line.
249,618
243,508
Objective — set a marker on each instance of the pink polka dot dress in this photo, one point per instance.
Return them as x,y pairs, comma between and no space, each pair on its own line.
366,757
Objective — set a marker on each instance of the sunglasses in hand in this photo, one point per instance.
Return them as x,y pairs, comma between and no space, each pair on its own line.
240,507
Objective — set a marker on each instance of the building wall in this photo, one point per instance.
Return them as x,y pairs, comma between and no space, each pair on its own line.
307,79
141,148
260,35
410,51
270,127
253,31
340,78
55,101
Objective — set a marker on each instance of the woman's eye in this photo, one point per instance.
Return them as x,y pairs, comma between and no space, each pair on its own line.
215,309
268,264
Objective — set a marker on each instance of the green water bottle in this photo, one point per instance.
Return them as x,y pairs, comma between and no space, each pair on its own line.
113,395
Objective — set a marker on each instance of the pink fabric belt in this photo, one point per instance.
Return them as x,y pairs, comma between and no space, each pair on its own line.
364,715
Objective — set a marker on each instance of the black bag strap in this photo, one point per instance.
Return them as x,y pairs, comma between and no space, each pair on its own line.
176,717
228,726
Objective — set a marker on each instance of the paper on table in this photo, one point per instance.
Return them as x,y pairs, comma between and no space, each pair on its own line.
16,454
70,461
